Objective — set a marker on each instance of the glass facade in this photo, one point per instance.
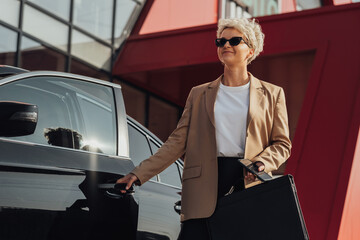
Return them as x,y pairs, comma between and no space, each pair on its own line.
248,8
79,36
45,28
258,8
65,35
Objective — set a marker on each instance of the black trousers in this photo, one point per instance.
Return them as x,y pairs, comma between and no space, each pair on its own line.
230,173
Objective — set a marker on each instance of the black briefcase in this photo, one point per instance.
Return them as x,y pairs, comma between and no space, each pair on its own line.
270,210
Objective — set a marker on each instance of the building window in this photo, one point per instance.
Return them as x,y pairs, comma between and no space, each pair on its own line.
45,28
34,56
7,46
124,10
9,12
60,8
91,51
95,16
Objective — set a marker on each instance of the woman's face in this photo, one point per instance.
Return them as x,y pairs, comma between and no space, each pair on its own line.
234,55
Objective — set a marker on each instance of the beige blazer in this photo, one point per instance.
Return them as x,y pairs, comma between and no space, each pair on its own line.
267,140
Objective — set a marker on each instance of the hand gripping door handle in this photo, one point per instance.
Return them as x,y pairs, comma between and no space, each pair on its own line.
114,191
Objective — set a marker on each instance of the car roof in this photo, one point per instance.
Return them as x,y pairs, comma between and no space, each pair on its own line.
10,74
6,70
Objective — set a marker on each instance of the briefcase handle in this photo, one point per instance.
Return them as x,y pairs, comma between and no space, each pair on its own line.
250,167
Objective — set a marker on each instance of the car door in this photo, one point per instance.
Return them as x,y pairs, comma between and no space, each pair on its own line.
57,183
158,214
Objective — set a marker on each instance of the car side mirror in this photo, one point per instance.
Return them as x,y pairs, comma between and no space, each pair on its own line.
17,118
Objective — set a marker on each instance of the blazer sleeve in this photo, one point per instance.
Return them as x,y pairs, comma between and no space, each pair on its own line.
170,151
279,147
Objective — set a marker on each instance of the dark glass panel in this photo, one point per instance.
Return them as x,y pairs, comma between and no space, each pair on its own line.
34,56
7,46
134,102
80,68
162,118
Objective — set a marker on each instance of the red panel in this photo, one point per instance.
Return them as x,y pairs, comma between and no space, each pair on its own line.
288,6
168,49
174,14
339,2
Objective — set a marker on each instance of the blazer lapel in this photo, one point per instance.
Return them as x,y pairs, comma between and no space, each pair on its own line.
256,98
210,97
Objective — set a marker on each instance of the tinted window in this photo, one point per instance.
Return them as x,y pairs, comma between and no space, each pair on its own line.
171,174
72,113
139,146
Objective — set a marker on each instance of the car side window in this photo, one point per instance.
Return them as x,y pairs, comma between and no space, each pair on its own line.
72,113
139,146
170,175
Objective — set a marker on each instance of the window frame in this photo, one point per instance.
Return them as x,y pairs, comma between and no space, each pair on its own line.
122,148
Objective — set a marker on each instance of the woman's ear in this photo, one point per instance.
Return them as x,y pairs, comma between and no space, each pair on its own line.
251,53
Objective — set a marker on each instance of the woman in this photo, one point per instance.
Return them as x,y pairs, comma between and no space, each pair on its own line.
235,116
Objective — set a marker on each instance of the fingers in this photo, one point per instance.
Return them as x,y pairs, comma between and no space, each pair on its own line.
249,176
129,179
124,179
260,166
132,179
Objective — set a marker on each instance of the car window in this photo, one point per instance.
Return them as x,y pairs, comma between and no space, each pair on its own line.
139,146
170,175
72,113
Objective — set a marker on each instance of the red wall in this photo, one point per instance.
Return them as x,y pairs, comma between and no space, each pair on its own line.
174,14
170,63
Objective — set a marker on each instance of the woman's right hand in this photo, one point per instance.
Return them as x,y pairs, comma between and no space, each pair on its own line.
251,177
129,179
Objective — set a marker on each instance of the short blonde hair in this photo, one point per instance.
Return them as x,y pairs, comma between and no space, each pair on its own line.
249,28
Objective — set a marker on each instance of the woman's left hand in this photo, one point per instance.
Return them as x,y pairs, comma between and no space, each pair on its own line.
251,177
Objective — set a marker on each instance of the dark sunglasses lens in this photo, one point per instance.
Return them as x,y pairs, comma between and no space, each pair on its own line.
217,42
220,42
235,41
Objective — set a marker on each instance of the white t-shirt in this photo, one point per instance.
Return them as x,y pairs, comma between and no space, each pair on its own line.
231,110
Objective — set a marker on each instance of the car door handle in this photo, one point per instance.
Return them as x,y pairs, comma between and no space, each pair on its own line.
177,207
114,190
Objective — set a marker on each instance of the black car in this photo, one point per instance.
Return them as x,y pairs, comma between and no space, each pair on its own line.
64,141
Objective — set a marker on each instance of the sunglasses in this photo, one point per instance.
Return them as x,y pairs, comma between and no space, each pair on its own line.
220,42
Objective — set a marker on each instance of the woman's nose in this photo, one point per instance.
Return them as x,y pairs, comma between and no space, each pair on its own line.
227,44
